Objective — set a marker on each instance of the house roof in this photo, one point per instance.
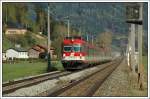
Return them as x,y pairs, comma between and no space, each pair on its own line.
37,49
40,48
19,49
45,47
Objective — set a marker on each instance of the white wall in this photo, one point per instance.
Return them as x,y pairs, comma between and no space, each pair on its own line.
23,55
11,53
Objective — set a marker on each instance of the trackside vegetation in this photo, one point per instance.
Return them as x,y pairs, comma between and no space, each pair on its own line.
145,63
25,68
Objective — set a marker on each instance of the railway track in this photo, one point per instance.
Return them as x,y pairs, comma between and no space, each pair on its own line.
86,86
11,86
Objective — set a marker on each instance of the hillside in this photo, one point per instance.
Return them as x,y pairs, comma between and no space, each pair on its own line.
90,19
95,17
8,43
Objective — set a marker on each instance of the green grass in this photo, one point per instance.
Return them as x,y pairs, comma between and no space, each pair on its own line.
24,69
145,63
38,40
6,43
57,65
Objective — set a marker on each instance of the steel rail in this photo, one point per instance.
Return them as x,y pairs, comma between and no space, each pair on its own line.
11,82
90,91
65,88
12,86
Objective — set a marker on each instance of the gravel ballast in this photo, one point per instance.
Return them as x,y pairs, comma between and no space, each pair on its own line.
117,84
120,83
50,84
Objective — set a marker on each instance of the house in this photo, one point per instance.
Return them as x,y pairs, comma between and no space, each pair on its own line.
19,53
35,51
39,51
15,31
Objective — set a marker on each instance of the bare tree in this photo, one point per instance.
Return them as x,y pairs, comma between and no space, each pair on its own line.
104,41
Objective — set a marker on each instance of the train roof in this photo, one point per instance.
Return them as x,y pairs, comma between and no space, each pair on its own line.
74,40
77,40
73,37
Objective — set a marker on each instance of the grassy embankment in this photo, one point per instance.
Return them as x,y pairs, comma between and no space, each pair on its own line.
24,69
7,43
145,63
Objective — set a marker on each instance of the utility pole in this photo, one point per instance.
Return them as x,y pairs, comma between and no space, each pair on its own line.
49,41
87,37
135,16
132,38
140,35
80,32
68,26
6,14
129,50
92,39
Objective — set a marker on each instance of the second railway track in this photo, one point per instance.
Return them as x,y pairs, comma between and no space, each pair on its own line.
86,86
11,86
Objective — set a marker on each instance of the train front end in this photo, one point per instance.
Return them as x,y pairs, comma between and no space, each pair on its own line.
72,54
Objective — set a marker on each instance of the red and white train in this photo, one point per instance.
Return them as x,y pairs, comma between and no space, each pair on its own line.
77,53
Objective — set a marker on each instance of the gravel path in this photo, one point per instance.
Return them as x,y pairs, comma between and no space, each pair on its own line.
120,83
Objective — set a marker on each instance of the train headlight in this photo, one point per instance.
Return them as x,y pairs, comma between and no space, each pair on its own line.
80,56
64,55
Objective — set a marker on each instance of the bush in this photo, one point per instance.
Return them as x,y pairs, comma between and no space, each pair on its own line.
30,40
57,65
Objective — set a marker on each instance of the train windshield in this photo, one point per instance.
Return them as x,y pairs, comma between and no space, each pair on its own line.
77,48
67,48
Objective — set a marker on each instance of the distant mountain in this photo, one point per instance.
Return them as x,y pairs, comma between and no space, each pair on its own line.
95,17
88,18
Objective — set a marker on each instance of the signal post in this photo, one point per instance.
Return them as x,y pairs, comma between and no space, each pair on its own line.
134,14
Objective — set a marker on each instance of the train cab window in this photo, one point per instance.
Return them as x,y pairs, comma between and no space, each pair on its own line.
77,48
67,48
